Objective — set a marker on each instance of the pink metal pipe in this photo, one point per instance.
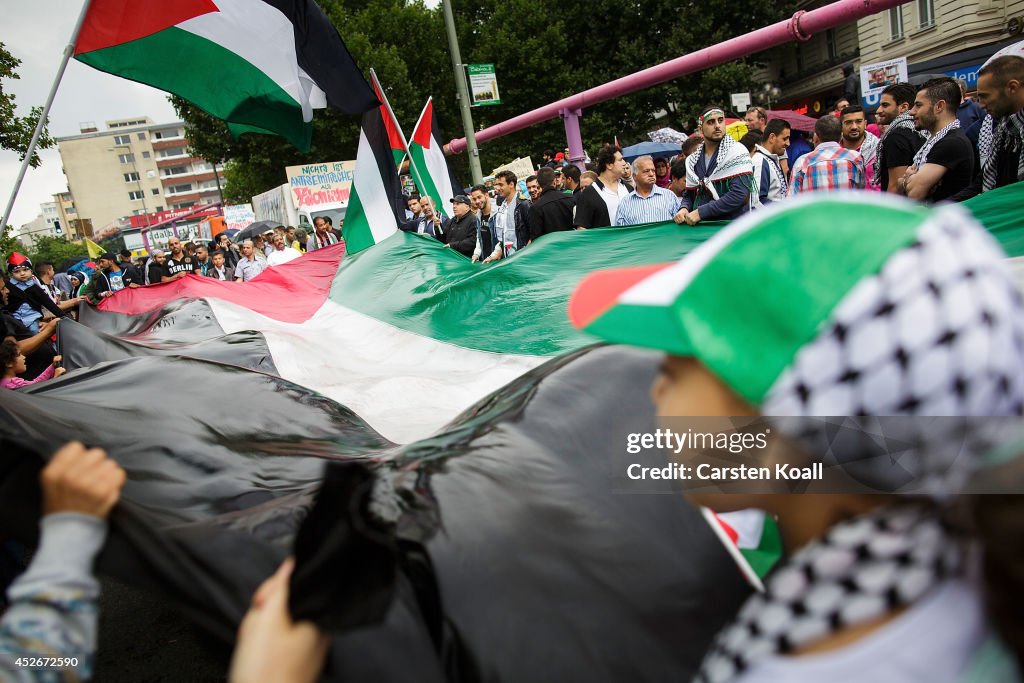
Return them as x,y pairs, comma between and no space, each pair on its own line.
799,27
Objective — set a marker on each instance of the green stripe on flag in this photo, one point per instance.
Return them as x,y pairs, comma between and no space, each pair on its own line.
421,175
356,230
232,89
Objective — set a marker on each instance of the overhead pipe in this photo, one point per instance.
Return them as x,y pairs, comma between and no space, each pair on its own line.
801,26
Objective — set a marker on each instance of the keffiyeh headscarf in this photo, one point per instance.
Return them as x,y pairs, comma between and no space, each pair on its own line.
896,310
733,165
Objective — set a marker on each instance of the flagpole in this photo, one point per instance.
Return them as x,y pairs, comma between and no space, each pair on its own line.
42,117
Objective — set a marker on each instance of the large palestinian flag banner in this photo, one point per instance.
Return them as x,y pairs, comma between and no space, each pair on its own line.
260,65
431,438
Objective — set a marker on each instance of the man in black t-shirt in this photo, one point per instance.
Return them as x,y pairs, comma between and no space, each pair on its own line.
156,269
900,141
945,163
179,264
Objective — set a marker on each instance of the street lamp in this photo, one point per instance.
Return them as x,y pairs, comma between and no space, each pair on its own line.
769,93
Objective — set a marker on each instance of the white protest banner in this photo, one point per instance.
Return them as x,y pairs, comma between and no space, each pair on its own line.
522,167
314,185
238,216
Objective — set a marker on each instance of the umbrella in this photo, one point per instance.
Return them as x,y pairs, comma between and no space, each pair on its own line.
796,120
253,229
921,79
653,148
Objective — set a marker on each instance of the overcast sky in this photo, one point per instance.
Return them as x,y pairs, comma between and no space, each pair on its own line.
36,33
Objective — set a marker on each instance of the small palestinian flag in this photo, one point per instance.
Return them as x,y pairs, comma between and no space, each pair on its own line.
396,138
261,65
429,168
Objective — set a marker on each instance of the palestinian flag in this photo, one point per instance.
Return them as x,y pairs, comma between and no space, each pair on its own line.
432,449
396,139
260,65
429,168
376,197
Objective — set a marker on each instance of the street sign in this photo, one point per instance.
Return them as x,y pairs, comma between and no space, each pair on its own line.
740,102
483,84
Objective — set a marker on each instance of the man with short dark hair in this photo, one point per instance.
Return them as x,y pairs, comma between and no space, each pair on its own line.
678,173
858,138
429,221
571,180
485,209
719,175
552,210
108,279
900,140
771,178
828,166
321,237
156,268
203,262
647,203
219,270
127,266
1001,143
533,187
756,118
596,206
511,219
944,166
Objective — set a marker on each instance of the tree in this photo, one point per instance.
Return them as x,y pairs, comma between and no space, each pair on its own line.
16,131
56,250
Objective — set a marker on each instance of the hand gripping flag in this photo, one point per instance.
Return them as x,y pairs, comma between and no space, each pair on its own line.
260,65
429,168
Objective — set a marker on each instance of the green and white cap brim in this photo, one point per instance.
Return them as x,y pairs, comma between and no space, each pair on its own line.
920,293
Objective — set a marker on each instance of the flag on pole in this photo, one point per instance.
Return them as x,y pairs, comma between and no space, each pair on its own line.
95,250
429,167
260,65
396,138
376,196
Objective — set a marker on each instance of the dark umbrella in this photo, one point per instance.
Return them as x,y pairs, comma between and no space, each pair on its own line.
921,79
253,229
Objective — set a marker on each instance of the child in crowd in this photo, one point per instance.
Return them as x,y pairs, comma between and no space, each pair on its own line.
13,362
27,299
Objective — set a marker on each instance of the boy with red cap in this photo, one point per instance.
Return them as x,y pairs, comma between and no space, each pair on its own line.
27,299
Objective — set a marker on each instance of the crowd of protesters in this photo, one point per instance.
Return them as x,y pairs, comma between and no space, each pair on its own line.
928,143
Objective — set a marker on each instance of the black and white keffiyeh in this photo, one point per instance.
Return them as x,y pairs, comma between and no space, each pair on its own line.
902,122
997,139
861,569
938,331
921,158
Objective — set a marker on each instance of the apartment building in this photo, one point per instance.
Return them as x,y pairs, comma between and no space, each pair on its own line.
133,168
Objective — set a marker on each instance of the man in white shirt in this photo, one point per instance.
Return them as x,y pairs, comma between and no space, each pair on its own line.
281,252
597,205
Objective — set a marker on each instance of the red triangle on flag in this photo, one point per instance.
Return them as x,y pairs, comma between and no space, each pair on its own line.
424,127
113,22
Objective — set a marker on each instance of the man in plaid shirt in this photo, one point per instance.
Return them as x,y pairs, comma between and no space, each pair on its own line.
828,166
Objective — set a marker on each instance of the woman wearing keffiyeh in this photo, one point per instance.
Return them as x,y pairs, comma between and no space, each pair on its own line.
719,175
895,310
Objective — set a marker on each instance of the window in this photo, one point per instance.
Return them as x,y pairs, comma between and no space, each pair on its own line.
895,23
156,190
164,134
925,13
176,170
833,45
145,155
173,152
131,177
142,136
126,158
138,212
135,195
159,208
122,139
187,187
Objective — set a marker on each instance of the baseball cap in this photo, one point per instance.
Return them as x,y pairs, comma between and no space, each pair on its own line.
845,304
461,198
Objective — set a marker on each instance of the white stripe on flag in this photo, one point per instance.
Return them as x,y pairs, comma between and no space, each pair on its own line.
406,386
369,187
264,37
437,167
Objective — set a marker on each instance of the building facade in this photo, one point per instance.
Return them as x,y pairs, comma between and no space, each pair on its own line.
133,168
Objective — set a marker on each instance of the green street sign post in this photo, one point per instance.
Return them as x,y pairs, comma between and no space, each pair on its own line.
483,85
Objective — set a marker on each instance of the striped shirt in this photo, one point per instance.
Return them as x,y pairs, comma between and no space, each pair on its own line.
828,167
659,205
